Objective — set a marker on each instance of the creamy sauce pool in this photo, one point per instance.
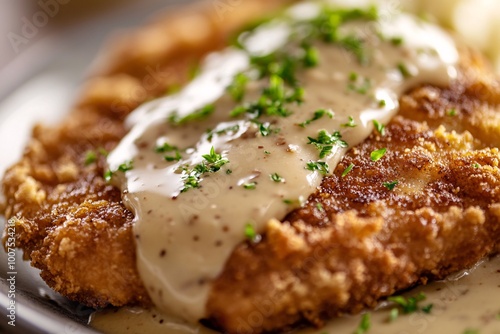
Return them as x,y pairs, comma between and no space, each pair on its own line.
464,301
185,235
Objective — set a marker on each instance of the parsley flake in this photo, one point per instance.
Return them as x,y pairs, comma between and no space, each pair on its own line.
391,185
347,170
350,123
378,154
379,127
199,114
192,176
317,115
90,158
250,233
250,185
276,178
364,324
452,112
405,72
325,142
319,166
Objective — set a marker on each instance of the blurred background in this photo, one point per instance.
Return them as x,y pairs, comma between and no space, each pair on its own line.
23,23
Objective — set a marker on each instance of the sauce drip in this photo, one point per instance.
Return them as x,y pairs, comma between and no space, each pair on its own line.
185,231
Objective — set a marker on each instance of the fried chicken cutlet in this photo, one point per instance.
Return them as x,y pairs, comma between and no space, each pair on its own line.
354,242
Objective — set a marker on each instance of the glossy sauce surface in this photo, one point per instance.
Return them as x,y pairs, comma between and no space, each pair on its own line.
184,235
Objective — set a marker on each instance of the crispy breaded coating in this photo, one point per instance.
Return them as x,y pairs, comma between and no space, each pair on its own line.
428,207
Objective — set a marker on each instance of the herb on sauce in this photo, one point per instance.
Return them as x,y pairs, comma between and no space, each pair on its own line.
396,41
237,87
317,115
90,158
175,157
358,85
403,69
212,164
476,165
276,178
250,233
229,129
347,170
325,142
311,57
391,185
364,324
199,114
124,167
379,127
410,304
349,124
165,147
319,166
378,154
250,185
382,103
267,152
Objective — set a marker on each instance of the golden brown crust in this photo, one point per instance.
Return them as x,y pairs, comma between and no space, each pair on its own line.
366,243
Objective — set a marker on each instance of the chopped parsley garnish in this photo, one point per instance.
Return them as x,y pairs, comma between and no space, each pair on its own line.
229,171
319,206
265,129
250,185
276,178
410,304
325,142
347,170
238,86
102,151
364,324
403,69
165,147
192,176
396,41
379,127
359,85
391,185
427,309
267,152
199,114
311,58
90,158
126,166
452,112
378,154
393,314
382,103
319,166
107,175
250,233
229,129
350,123
176,157
355,45
317,115
476,165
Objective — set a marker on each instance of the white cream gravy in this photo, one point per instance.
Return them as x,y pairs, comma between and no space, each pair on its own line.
183,239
